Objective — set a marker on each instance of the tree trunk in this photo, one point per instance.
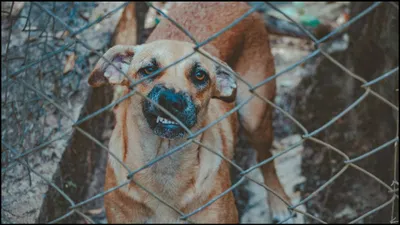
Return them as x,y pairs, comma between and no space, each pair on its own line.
372,51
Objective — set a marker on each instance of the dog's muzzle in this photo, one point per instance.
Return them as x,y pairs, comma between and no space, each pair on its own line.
178,104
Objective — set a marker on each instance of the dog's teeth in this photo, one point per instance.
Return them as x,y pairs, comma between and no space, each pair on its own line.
164,121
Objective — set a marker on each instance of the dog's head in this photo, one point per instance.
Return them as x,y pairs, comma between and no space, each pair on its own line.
184,89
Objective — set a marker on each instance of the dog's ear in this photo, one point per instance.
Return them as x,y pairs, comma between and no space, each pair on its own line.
104,72
225,87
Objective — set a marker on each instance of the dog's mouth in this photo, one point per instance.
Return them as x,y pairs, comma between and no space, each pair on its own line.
165,121
164,126
179,105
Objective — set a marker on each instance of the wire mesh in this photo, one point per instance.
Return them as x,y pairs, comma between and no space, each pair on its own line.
35,91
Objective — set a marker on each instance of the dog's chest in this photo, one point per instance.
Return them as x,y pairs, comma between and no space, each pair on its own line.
176,166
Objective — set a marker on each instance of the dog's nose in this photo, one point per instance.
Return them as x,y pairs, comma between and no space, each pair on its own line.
171,100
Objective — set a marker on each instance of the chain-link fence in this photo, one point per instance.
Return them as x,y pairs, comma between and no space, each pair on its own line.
38,84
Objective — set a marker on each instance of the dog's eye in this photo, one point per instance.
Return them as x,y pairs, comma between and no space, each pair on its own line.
148,70
200,75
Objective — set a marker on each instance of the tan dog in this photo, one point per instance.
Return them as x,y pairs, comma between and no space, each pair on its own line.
197,91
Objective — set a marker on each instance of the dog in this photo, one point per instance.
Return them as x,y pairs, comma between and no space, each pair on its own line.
196,91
